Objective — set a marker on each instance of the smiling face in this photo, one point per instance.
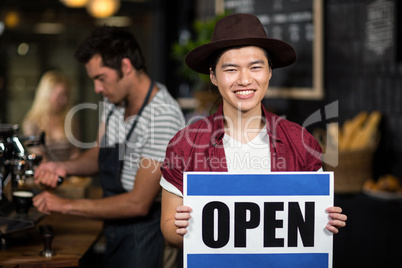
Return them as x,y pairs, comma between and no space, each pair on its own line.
242,76
106,80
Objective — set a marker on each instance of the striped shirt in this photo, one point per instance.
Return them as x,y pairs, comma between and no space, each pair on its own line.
160,120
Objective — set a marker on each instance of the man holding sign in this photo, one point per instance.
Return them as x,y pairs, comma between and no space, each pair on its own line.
258,220
241,137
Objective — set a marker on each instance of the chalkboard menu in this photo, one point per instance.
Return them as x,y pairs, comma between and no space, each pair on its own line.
299,23
380,31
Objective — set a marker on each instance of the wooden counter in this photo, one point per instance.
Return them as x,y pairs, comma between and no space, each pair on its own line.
73,236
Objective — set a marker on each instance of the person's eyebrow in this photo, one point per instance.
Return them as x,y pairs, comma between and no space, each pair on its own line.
97,76
226,65
257,62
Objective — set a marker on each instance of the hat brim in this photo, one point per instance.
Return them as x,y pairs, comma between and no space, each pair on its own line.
281,53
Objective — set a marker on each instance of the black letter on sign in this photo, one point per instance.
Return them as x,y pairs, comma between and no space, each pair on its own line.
241,223
306,226
208,224
271,223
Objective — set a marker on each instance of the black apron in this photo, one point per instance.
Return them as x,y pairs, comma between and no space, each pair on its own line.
131,242
111,159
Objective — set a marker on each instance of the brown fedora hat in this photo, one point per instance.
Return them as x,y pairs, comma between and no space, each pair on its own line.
240,30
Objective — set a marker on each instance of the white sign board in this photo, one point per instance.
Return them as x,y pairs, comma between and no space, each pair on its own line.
258,220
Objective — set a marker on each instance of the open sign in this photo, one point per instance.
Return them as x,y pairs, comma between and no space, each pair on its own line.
258,220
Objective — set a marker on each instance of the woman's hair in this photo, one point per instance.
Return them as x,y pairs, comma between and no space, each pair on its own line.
40,109
113,44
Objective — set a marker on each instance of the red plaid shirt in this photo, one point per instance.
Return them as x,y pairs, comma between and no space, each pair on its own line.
199,147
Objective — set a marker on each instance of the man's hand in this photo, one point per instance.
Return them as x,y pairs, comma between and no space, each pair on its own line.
181,219
49,172
337,221
46,203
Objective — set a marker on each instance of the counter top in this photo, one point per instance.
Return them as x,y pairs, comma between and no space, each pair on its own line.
73,236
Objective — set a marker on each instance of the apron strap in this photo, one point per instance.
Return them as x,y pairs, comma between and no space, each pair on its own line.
141,109
138,115
107,123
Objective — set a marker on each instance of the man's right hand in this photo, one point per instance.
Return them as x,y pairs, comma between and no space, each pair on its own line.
47,173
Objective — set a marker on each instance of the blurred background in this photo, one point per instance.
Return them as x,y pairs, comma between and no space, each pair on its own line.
360,60
349,62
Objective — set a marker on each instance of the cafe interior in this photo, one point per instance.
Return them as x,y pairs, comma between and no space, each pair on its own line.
345,89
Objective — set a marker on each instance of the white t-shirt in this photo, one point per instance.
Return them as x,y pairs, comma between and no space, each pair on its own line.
251,157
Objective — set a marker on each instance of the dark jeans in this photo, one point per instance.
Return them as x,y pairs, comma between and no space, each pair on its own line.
135,244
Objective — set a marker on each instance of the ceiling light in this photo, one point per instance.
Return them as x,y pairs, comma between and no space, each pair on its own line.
74,3
12,19
103,8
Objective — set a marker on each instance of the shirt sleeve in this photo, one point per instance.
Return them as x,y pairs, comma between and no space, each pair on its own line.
162,128
174,165
170,187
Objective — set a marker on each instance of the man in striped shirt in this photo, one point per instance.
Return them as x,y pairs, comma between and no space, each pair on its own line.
139,119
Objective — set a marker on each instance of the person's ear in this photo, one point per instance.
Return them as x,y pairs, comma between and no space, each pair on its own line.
126,66
212,77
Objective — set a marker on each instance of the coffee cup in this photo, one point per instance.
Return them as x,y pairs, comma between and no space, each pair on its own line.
22,201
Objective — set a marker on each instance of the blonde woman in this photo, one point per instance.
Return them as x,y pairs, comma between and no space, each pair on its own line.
48,112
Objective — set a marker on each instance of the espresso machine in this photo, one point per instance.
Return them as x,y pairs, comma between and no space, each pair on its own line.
16,165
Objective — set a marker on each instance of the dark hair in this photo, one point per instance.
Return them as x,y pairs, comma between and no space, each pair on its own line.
112,44
213,59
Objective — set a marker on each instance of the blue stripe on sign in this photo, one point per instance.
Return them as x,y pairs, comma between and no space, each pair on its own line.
258,184
299,260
